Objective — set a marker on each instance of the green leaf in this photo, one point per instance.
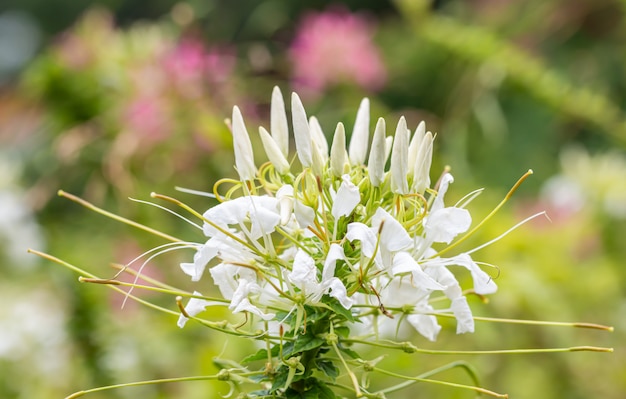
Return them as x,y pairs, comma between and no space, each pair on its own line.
307,342
327,367
315,313
280,378
312,393
325,392
343,332
349,352
311,388
261,354
338,309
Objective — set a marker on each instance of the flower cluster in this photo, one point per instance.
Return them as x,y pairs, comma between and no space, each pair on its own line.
343,37
323,250
337,233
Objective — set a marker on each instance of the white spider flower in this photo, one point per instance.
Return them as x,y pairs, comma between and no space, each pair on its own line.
340,230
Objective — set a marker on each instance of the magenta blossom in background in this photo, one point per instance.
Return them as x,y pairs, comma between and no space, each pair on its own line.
335,47
147,117
191,65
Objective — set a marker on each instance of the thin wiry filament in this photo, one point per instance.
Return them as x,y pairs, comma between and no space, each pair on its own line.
168,210
528,219
161,252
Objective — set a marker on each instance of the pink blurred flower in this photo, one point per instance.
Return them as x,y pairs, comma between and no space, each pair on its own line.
335,47
148,118
191,65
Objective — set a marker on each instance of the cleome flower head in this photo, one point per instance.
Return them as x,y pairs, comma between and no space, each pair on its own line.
323,252
334,229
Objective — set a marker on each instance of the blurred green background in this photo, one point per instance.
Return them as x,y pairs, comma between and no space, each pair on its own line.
111,99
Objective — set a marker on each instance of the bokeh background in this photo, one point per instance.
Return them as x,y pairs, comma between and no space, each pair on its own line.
111,99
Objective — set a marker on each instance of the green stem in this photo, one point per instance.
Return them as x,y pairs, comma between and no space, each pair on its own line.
410,348
411,380
149,288
113,216
536,322
154,382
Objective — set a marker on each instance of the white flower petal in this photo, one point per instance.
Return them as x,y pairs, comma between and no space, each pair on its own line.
244,158
426,325
273,152
203,255
246,306
278,122
335,253
261,211
337,290
301,132
446,180
360,134
463,315
399,159
338,151
445,277
194,307
388,146
393,236
264,215
347,198
415,145
241,302
445,224
377,159
483,283
225,277
305,215
403,262
304,270
284,195
318,137
360,232
421,171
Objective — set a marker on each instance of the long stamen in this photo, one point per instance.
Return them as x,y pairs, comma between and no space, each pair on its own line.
489,216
